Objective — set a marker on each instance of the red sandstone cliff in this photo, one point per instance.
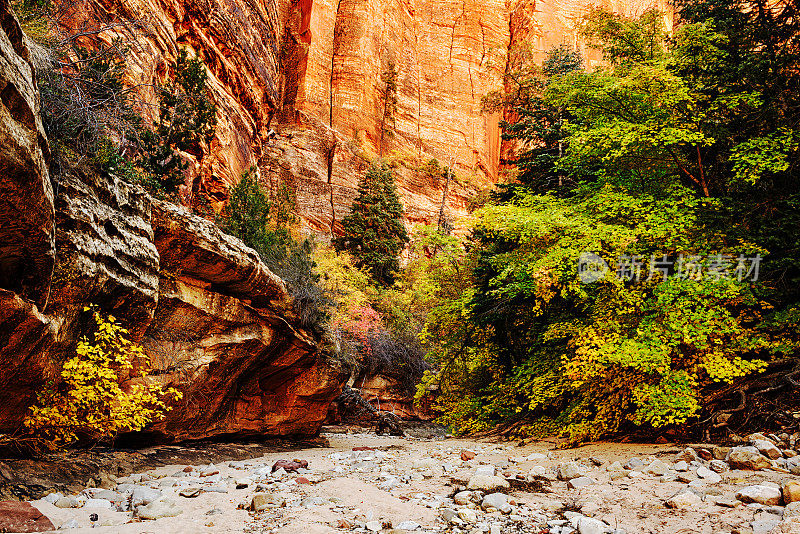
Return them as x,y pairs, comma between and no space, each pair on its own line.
311,70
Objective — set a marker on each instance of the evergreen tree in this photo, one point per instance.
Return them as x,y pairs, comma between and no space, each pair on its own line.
186,118
373,231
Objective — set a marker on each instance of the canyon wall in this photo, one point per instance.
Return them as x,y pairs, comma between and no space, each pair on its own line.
215,322
302,93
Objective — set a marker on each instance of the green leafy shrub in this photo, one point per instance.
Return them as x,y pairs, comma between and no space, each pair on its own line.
186,121
679,150
265,226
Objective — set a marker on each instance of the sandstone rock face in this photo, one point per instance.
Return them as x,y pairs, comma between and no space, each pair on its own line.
26,196
314,73
225,334
216,322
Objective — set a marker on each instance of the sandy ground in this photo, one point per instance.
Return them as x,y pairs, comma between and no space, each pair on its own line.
347,489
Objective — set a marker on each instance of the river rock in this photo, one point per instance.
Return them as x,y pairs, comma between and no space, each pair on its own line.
463,498
486,470
767,448
791,491
761,494
579,482
569,470
793,465
143,495
163,507
468,516
718,466
70,501
262,501
494,500
708,475
98,503
657,467
748,458
684,499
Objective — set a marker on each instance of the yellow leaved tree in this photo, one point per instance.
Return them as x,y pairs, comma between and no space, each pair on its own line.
90,402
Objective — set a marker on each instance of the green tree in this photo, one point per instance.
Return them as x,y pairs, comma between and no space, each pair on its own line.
264,225
373,231
186,120
683,150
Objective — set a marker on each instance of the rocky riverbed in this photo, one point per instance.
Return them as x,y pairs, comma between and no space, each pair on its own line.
364,483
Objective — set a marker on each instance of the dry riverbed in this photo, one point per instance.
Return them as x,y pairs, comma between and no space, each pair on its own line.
397,485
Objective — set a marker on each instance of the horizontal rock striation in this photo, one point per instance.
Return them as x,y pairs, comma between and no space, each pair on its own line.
217,324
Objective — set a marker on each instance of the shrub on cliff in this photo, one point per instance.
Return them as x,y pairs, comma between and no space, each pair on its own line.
264,225
186,121
373,232
90,402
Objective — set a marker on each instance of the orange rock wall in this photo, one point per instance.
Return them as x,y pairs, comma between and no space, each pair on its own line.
311,71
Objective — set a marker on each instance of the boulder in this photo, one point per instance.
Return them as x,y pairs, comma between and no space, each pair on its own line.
163,507
761,494
494,500
791,491
684,499
570,470
767,448
748,458
263,501
657,467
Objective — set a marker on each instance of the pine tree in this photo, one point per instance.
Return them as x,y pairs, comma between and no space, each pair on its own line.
373,232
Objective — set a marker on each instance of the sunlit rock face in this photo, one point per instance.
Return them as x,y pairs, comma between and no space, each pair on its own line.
302,93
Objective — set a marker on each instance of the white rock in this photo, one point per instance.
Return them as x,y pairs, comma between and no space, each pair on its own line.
681,466
494,500
98,503
163,507
708,475
374,526
53,497
579,482
684,499
569,470
488,470
408,525
760,493
143,495
657,467
537,471
463,497
467,515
